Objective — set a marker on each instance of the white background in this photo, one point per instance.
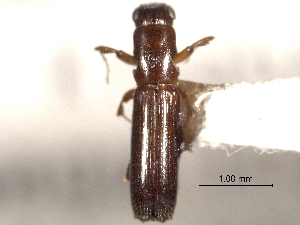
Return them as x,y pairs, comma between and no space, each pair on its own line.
63,151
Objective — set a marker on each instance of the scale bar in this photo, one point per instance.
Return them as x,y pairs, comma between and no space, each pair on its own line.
231,185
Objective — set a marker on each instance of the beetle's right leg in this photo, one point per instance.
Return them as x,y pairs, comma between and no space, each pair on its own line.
119,53
185,53
127,96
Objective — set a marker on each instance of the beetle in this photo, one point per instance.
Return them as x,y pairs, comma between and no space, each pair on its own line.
164,122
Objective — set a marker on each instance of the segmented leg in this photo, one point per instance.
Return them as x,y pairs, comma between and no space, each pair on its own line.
126,97
185,53
125,57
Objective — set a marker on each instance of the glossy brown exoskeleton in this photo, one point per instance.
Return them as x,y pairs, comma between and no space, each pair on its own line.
162,113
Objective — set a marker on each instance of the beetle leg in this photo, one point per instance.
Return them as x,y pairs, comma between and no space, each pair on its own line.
125,57
185,53
127,175
193,122
186,112
126,97
189,109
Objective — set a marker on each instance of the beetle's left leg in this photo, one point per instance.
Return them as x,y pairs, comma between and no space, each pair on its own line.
125,57
126,97
185,53
127,174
